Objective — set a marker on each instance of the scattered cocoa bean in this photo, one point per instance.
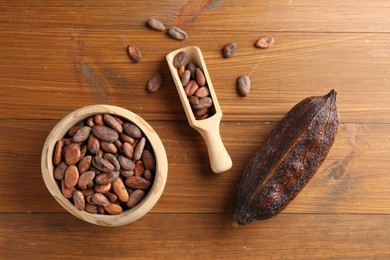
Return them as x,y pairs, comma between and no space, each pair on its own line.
156,24
154,83
243,85
134,53
265,42
229,49
178,33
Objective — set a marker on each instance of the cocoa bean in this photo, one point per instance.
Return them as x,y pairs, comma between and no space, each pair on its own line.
201,112
194,101
106,177
134,53
179,59
88,192
102,164
191,66
113,209
100,200
120,190
85,179
132,130
93,144
72,153
139,149
113,160
126,163
128,149
113,123
229,49
90,208
202,92
84,164
126,138
135,197
67,192
178,33
180,71
108,147
139,168
59,171
185,77
82,134
191,87
111,196
126,174
71,176
149,160
265,42
90,121
105,133
156,24
154,83
78,200
243,85
72,131
57,157
200,78
148,175
137,182
204,102
103,188
98,119
101,210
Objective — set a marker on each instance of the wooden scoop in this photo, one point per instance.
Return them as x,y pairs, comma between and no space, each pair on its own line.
220,160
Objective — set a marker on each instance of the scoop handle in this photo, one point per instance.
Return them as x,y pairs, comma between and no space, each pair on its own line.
220,160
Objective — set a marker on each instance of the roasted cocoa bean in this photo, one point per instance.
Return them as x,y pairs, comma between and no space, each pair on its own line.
84,164
113,160
113,209
103,188
93,144
139,149
71,176
72,131
135,197
106,177
148,175
67,192
85,179
229,49
91,208
200,78
113,123
156,24
78,200
100,200
57,157
178,33
202,92
137,182
59,170
134,53
288,159
132,130
154,83
108,147
148,159
120,190
191,66
126,163
105,133
98,119
179,59
126,174
185,77
102,164
139,168
191,87
128,149
72,153
82,134
265,42
243,85
204,102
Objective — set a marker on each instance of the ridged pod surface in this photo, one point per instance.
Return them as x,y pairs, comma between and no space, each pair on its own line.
288,159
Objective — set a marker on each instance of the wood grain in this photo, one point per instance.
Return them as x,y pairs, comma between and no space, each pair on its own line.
58,56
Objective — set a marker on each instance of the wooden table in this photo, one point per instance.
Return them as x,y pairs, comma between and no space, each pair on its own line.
57,56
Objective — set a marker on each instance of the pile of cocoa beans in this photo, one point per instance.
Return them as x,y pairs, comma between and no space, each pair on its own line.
195,86
104,164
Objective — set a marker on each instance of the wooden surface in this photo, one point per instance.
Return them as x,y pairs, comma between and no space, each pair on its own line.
57,56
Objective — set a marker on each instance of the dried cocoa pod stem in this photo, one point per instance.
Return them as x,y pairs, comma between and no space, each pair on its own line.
288,159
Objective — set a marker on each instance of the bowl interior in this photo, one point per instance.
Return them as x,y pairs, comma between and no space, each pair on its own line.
127,216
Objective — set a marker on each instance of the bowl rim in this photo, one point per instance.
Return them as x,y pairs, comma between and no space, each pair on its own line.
128,216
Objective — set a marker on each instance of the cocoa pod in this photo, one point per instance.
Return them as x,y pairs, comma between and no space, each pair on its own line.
72,153
78,200
113,122
155,24
106,178
105,133
137,182
288,159
100,200
135,197
71,176
120,190
113,209
82,134
57,156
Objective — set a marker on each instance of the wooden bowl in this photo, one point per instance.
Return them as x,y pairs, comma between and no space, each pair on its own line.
127,216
